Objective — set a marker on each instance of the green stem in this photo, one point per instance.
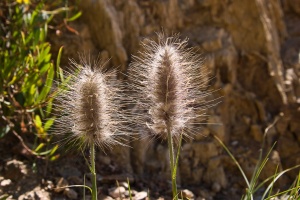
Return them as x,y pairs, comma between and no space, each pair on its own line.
172,166
93,172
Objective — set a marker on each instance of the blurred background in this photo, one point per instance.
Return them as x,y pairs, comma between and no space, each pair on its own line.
251,49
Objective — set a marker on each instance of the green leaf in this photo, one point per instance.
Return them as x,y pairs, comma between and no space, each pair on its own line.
74,17
4,130
53,150
44,153
12,81
41,111
29,95
38,121
48,124
44,55
38,148
47,86
59,57
49,106
42,34
55,157
23,38
44,68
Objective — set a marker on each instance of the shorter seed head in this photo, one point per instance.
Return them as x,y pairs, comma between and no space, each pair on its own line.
90,107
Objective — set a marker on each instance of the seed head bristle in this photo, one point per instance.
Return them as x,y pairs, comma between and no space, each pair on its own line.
171,84
90,107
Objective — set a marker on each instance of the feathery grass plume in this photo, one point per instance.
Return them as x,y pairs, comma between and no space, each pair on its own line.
90,107
170,85
91,114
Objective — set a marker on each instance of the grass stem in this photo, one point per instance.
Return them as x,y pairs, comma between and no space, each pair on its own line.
172,166
93,172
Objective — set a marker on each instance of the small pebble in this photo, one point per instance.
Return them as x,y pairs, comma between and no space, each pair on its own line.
141,195
187,194
216,187
133,192
5,182
104,197
116,191
70,193
124,184
75,180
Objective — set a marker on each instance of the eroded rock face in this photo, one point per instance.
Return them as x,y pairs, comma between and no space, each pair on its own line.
252,50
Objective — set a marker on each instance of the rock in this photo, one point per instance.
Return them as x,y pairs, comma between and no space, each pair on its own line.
186,194
256,133
133,192
272,166
67,171
272,136
124,184
49,185
185,169
75,180
104,159
36,193
27,196
205,150
216,175
186,150
6,196
216,187
42,194
197,175
140,195
214,162
140,156
104,197
70,193
203,133
287,145
216,127
295,6
15,170
205,195
212,45
5,182
108,24
117,192
121,159
113,178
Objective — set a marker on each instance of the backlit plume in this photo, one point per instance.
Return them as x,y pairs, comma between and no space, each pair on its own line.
90,107
170,84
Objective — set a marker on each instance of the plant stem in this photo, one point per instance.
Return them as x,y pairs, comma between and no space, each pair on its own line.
93,172
171,154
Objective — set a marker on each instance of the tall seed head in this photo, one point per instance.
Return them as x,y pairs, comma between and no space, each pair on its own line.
171,85
90,107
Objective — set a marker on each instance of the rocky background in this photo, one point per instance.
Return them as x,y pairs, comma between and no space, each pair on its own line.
252,50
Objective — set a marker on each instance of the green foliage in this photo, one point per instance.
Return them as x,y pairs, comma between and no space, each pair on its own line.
253,185
27,73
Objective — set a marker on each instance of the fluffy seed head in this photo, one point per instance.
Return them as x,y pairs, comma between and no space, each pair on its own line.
171,84
90,107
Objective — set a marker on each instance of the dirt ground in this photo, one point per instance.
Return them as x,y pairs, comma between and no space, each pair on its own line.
23,176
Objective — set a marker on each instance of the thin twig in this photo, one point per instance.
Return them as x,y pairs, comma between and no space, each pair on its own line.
25,146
